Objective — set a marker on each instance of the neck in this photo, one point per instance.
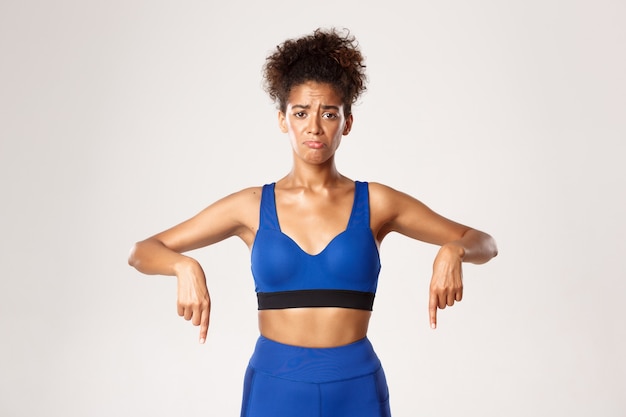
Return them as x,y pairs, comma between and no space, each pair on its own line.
313,175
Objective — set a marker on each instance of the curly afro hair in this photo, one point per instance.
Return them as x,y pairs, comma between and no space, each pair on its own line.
326,56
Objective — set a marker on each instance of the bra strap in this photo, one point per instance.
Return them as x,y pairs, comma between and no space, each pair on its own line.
267,216
360,217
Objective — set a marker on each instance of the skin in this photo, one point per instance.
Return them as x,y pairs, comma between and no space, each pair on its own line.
313,203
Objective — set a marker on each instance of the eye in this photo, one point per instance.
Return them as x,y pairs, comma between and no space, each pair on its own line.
330,115
300,114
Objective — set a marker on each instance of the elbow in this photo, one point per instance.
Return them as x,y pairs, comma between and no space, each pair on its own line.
493,247
488,247
133,258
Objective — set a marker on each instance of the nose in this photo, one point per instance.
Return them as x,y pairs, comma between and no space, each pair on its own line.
314,126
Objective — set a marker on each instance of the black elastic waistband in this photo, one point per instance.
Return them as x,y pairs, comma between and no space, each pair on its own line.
316,298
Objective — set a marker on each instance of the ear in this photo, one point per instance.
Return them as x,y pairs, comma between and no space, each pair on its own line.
348,126
282,122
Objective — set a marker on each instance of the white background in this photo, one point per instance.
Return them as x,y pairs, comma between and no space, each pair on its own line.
119,119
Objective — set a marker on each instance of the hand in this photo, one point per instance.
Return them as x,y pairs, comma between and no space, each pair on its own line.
194,302
446,285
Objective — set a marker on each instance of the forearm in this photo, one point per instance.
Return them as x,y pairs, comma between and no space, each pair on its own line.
474,246
152,257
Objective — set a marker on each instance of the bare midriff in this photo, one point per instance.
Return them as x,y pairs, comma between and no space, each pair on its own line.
314,327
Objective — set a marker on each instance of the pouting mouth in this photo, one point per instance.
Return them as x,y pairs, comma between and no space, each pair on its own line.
314,144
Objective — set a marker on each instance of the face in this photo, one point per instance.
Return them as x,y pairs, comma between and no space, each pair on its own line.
315,122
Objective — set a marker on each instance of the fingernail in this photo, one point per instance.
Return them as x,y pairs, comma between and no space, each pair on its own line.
433,326
202,340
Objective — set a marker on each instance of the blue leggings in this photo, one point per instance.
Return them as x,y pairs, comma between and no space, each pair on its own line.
292,381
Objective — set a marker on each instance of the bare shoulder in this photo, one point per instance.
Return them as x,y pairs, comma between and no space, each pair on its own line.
395,211
236,214
384,208
382,191
246,196
241,206
387,200
245,206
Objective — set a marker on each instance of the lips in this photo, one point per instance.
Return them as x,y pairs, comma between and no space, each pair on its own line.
314,144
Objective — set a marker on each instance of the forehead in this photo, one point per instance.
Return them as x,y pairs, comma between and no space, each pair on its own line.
312,91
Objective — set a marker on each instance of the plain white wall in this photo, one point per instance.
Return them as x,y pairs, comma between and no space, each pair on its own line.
121,118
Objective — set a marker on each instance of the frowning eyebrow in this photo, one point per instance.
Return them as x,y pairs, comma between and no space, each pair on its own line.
308,106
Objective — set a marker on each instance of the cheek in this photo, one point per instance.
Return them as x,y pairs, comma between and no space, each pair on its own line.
292,129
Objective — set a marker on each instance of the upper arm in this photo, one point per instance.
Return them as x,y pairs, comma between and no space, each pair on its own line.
233,215
395,211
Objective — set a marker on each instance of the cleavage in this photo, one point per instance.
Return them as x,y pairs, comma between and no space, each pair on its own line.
312,229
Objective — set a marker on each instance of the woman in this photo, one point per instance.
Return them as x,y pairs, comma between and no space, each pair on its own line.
314,237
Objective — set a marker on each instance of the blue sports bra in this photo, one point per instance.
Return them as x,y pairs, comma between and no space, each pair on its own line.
344,274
